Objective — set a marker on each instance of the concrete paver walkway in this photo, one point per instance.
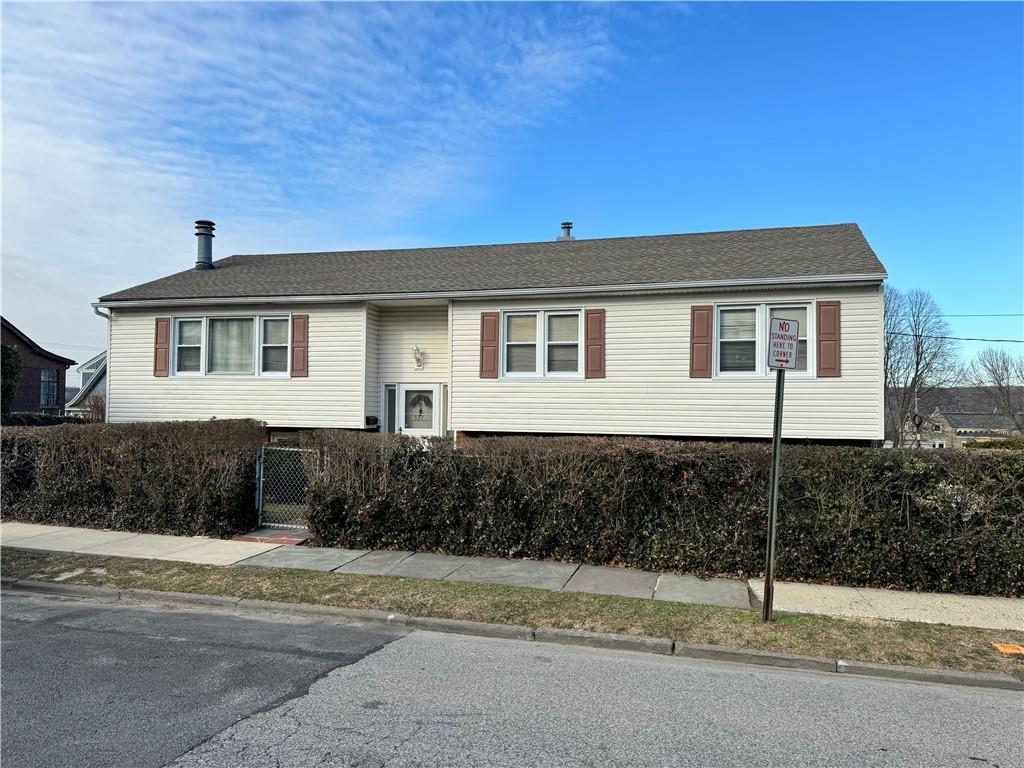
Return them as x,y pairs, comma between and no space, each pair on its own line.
964,610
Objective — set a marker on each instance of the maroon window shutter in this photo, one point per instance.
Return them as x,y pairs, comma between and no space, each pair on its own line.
300,346
489,334
162,347
700,341
593,339
828,339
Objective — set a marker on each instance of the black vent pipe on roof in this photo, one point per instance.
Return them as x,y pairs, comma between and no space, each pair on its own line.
204,250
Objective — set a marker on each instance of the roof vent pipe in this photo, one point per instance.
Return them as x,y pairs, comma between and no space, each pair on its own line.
566,231
204,250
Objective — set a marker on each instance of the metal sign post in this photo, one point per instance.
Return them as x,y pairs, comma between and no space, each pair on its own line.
783,343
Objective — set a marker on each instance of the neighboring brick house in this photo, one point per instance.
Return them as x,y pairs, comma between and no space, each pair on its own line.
41,381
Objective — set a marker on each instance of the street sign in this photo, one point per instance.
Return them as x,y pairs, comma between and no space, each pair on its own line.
783,343
783,340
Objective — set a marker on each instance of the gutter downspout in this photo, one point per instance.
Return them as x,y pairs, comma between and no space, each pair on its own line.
106,398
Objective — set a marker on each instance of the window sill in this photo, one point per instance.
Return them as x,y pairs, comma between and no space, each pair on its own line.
542,377
756,376
740,375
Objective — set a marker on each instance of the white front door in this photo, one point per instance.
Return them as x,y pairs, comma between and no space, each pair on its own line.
419,409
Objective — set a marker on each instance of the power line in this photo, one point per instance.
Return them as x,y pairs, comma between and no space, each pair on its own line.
68,346
957,338
1008,314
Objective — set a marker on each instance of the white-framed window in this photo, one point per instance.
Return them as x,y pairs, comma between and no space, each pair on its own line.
229,342
562,343
188,345
741,338
232,345
737,339
541,343
274,342
521,343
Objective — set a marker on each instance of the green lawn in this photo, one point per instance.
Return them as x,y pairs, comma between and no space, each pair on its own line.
893,642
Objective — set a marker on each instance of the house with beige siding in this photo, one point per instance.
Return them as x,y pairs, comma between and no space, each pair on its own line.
662,335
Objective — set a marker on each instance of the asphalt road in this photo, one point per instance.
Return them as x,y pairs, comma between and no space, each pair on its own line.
86,684
89,684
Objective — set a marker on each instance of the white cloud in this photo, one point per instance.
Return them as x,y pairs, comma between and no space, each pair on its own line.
288,124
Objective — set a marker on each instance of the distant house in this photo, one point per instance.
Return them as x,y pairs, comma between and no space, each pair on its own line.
41,381
94,384
662,335
953,430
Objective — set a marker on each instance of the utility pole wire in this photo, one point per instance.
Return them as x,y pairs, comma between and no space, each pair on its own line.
956,338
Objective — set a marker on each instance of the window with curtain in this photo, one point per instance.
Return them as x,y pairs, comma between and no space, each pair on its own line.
521,343
800,315
274,345
737,340
188,346
230,345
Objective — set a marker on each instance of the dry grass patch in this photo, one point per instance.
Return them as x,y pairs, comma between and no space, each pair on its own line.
892,642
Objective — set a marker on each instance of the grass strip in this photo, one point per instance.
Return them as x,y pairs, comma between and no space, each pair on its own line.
887,642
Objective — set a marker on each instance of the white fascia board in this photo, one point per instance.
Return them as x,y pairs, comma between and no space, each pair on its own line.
640,288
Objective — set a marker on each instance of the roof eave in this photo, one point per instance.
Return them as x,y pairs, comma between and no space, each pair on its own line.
66,361
81,394
672,287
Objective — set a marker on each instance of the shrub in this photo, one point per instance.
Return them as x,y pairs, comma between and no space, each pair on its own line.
934,520
1006,444
10,372
185,478
30,419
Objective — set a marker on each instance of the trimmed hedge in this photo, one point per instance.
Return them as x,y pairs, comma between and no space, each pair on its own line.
950,521
1006,444
185,478
24,419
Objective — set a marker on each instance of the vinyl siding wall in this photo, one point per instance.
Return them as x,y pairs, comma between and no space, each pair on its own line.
372,397
332,396
402,328
648,390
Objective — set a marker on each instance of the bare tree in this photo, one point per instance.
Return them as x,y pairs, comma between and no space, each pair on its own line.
1002,375
96,408
919,355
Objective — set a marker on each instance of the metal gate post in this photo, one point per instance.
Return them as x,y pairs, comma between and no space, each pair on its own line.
259,485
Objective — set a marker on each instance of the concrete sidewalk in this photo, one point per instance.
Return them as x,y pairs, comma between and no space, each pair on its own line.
963,610
927,607
90,541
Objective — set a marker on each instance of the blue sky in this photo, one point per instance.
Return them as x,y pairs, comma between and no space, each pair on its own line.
318,127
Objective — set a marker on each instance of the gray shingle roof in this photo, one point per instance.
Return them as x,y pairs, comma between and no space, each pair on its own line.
982,421
742,255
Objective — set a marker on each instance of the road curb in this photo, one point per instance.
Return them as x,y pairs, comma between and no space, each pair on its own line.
750,656
478,628
660,645
191,598
947,676
568,637
328,611
107,594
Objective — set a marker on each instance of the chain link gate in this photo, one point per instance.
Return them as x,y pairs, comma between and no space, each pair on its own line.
281,483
